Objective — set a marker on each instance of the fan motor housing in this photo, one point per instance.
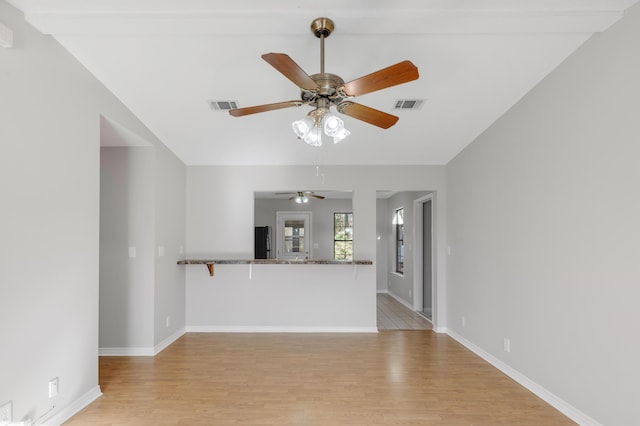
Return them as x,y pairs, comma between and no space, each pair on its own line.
327,88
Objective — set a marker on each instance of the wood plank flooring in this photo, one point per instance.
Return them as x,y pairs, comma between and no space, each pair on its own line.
393,315
395,377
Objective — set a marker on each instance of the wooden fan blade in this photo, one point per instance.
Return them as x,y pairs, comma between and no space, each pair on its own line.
290,69
239,112
367,114
314,195
399,73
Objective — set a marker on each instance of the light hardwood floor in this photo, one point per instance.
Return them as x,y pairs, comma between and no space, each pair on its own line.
393,315
390,378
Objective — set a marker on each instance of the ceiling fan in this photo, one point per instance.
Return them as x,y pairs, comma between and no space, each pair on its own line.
301,196
323,90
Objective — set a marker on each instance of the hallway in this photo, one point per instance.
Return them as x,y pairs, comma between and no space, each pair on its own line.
393,315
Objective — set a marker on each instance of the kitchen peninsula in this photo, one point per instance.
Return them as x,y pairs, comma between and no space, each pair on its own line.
275,295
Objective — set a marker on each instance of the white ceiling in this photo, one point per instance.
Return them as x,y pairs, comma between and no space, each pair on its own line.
166,59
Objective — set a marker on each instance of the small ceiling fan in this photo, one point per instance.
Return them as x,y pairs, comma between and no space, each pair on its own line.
301,196
323,90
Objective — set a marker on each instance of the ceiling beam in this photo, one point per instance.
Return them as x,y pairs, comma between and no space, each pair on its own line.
410,17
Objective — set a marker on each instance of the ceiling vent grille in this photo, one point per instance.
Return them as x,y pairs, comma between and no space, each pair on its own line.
409,104
223,105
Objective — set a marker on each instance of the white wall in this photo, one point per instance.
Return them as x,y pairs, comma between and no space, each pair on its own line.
321,220
543,225
170,180
126,220
50,109
382,246
142,206
220,215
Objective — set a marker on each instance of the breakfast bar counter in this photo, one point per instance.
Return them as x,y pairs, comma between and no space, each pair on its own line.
211,262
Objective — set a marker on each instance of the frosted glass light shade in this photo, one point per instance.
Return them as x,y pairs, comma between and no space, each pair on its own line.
332,124
302,127
341,135
314,137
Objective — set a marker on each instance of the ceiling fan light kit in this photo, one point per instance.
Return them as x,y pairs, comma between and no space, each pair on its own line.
323,90
301,197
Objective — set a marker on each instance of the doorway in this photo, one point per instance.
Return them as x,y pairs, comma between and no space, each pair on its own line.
293,235
424,271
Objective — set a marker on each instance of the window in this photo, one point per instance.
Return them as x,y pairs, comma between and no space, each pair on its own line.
343,236
398,221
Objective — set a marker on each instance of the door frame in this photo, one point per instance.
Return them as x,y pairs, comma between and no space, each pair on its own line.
308,239
418,267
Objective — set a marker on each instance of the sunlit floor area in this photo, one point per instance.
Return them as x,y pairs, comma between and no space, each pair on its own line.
393,315
388,378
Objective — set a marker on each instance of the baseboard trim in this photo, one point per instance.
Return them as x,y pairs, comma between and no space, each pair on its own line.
74,408
132,351
440,329
259,329
382,291
559,404
168,341
402,301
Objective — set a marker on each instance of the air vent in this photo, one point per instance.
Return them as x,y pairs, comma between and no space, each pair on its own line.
409,104
223,105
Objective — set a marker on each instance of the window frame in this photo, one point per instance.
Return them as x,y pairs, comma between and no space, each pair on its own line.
335,241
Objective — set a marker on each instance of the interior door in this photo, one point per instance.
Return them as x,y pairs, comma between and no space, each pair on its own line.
293,235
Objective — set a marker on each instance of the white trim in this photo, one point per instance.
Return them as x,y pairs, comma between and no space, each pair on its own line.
308,219
383,291
129,351
142,351
6,36
437,329
564,407
283,329
168,341
402,301
418,266
72,409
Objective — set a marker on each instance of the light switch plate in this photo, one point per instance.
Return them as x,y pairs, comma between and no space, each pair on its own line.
53,387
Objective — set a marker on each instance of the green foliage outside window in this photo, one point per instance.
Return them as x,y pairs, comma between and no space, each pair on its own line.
343,236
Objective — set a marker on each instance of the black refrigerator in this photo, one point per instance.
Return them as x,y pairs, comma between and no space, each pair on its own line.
263,242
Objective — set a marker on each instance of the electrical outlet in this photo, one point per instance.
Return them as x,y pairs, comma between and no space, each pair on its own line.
410,293
6,412
53,387
464,322
168,321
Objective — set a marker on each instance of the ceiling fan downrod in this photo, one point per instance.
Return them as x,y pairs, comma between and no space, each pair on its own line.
322,28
